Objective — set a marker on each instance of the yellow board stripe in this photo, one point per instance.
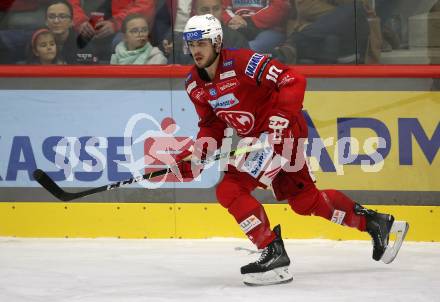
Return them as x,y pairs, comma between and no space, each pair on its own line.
185,220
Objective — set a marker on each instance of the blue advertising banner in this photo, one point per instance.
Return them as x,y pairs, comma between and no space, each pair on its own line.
93,137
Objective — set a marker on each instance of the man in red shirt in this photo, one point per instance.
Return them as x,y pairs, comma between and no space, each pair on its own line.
119,10
260,97
263,22
98,22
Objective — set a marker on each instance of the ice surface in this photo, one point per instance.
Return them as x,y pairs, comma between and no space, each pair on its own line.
108,270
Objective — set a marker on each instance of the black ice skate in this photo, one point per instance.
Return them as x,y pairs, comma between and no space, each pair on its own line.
380,226
272,267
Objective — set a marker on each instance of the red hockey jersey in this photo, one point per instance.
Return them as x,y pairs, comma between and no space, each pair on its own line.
247,88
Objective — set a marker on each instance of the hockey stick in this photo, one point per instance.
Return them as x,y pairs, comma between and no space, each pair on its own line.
46,182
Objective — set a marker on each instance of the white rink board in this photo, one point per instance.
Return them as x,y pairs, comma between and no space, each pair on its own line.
95,270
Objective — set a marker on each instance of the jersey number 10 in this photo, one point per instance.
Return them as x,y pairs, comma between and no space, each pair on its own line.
273,74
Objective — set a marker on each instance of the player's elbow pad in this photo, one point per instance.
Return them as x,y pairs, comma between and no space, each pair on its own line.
291,92
291,80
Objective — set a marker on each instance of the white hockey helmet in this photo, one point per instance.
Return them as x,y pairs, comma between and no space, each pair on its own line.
203,27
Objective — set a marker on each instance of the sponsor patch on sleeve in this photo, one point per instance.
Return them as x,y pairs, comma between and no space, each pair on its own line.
253,64
191,86
285,80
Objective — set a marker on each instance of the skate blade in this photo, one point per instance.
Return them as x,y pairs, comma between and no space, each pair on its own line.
399,228
276,276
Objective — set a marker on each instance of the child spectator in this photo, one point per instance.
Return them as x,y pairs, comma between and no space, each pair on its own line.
120,9
43,48
18,20
101,32
135,47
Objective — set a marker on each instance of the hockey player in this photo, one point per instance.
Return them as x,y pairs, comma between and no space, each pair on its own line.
258,96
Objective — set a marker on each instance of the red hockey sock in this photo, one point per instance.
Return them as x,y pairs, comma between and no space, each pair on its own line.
341,202
253,221
332,205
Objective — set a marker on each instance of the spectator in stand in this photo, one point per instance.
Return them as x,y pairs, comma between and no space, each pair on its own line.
323,31
5,56
261,21
21,5
103,31
20,18
43,48
435,7
59,14
169,26
136,48
385,9
434,60
231,38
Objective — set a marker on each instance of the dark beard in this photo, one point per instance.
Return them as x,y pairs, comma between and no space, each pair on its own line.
202,72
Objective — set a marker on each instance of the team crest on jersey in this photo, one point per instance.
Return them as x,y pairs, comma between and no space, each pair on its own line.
227,85
242,121
212,92
225,101
199,94
228,63
252,65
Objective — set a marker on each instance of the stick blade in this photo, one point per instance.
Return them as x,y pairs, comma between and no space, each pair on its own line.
46,182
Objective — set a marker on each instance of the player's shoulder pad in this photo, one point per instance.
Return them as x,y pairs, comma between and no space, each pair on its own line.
246,61
188,77
253,63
